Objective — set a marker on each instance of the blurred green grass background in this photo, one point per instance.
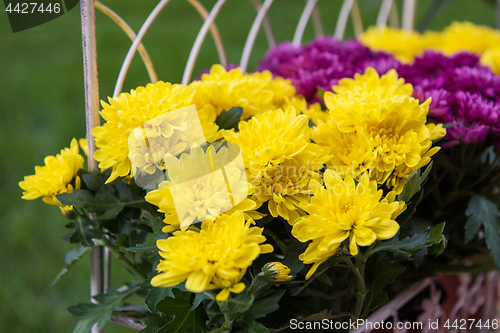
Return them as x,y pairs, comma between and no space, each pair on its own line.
42,109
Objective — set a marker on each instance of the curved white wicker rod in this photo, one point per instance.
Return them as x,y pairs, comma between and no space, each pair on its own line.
267,25
252,35
318,26
133,48
357,21
304,18
409,7
199,41
214,31
131,34
383,14
342,19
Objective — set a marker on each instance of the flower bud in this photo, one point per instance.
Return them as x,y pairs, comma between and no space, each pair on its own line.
275,272
68,212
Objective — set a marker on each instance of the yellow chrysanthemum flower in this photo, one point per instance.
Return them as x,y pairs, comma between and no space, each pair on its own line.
58,175
280,159
404,44
375,126
255,92
491,58
466,36
217,257
457,37
201,186
146,107
354,99
345,210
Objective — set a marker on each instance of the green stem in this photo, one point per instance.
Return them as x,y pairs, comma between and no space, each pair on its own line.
228,323
359,271
116,252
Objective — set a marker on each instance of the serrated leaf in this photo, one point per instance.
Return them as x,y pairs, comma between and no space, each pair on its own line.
150,249
83,232
412,244
260,308
406,246
229,119
153,324
240,303
149,219
412,186
436,235
71,258
199,297
184,320
97,313
483,211
479,210
100,204
425,175
382,272
291,259
411,208
106,200
156,295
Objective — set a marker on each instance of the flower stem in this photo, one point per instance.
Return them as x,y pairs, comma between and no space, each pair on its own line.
359,271
228,323
116,252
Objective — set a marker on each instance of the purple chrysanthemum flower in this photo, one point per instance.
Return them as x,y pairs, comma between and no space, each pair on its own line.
322,63
430,65
440,102
474,80
464,93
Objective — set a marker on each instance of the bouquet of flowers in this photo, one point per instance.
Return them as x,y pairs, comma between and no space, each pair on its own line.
252,202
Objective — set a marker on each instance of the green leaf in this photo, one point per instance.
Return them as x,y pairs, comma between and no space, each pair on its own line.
83,232
107,200
414,183
436,235
105,207
291,259
156,295
412,186
479,209
412,244
147,218
411,208
483,211
150,249
184,320
153,324
240,303
97,313
449,125
382,272
425,175
229,119
71,258
260,308
320,93
199,297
